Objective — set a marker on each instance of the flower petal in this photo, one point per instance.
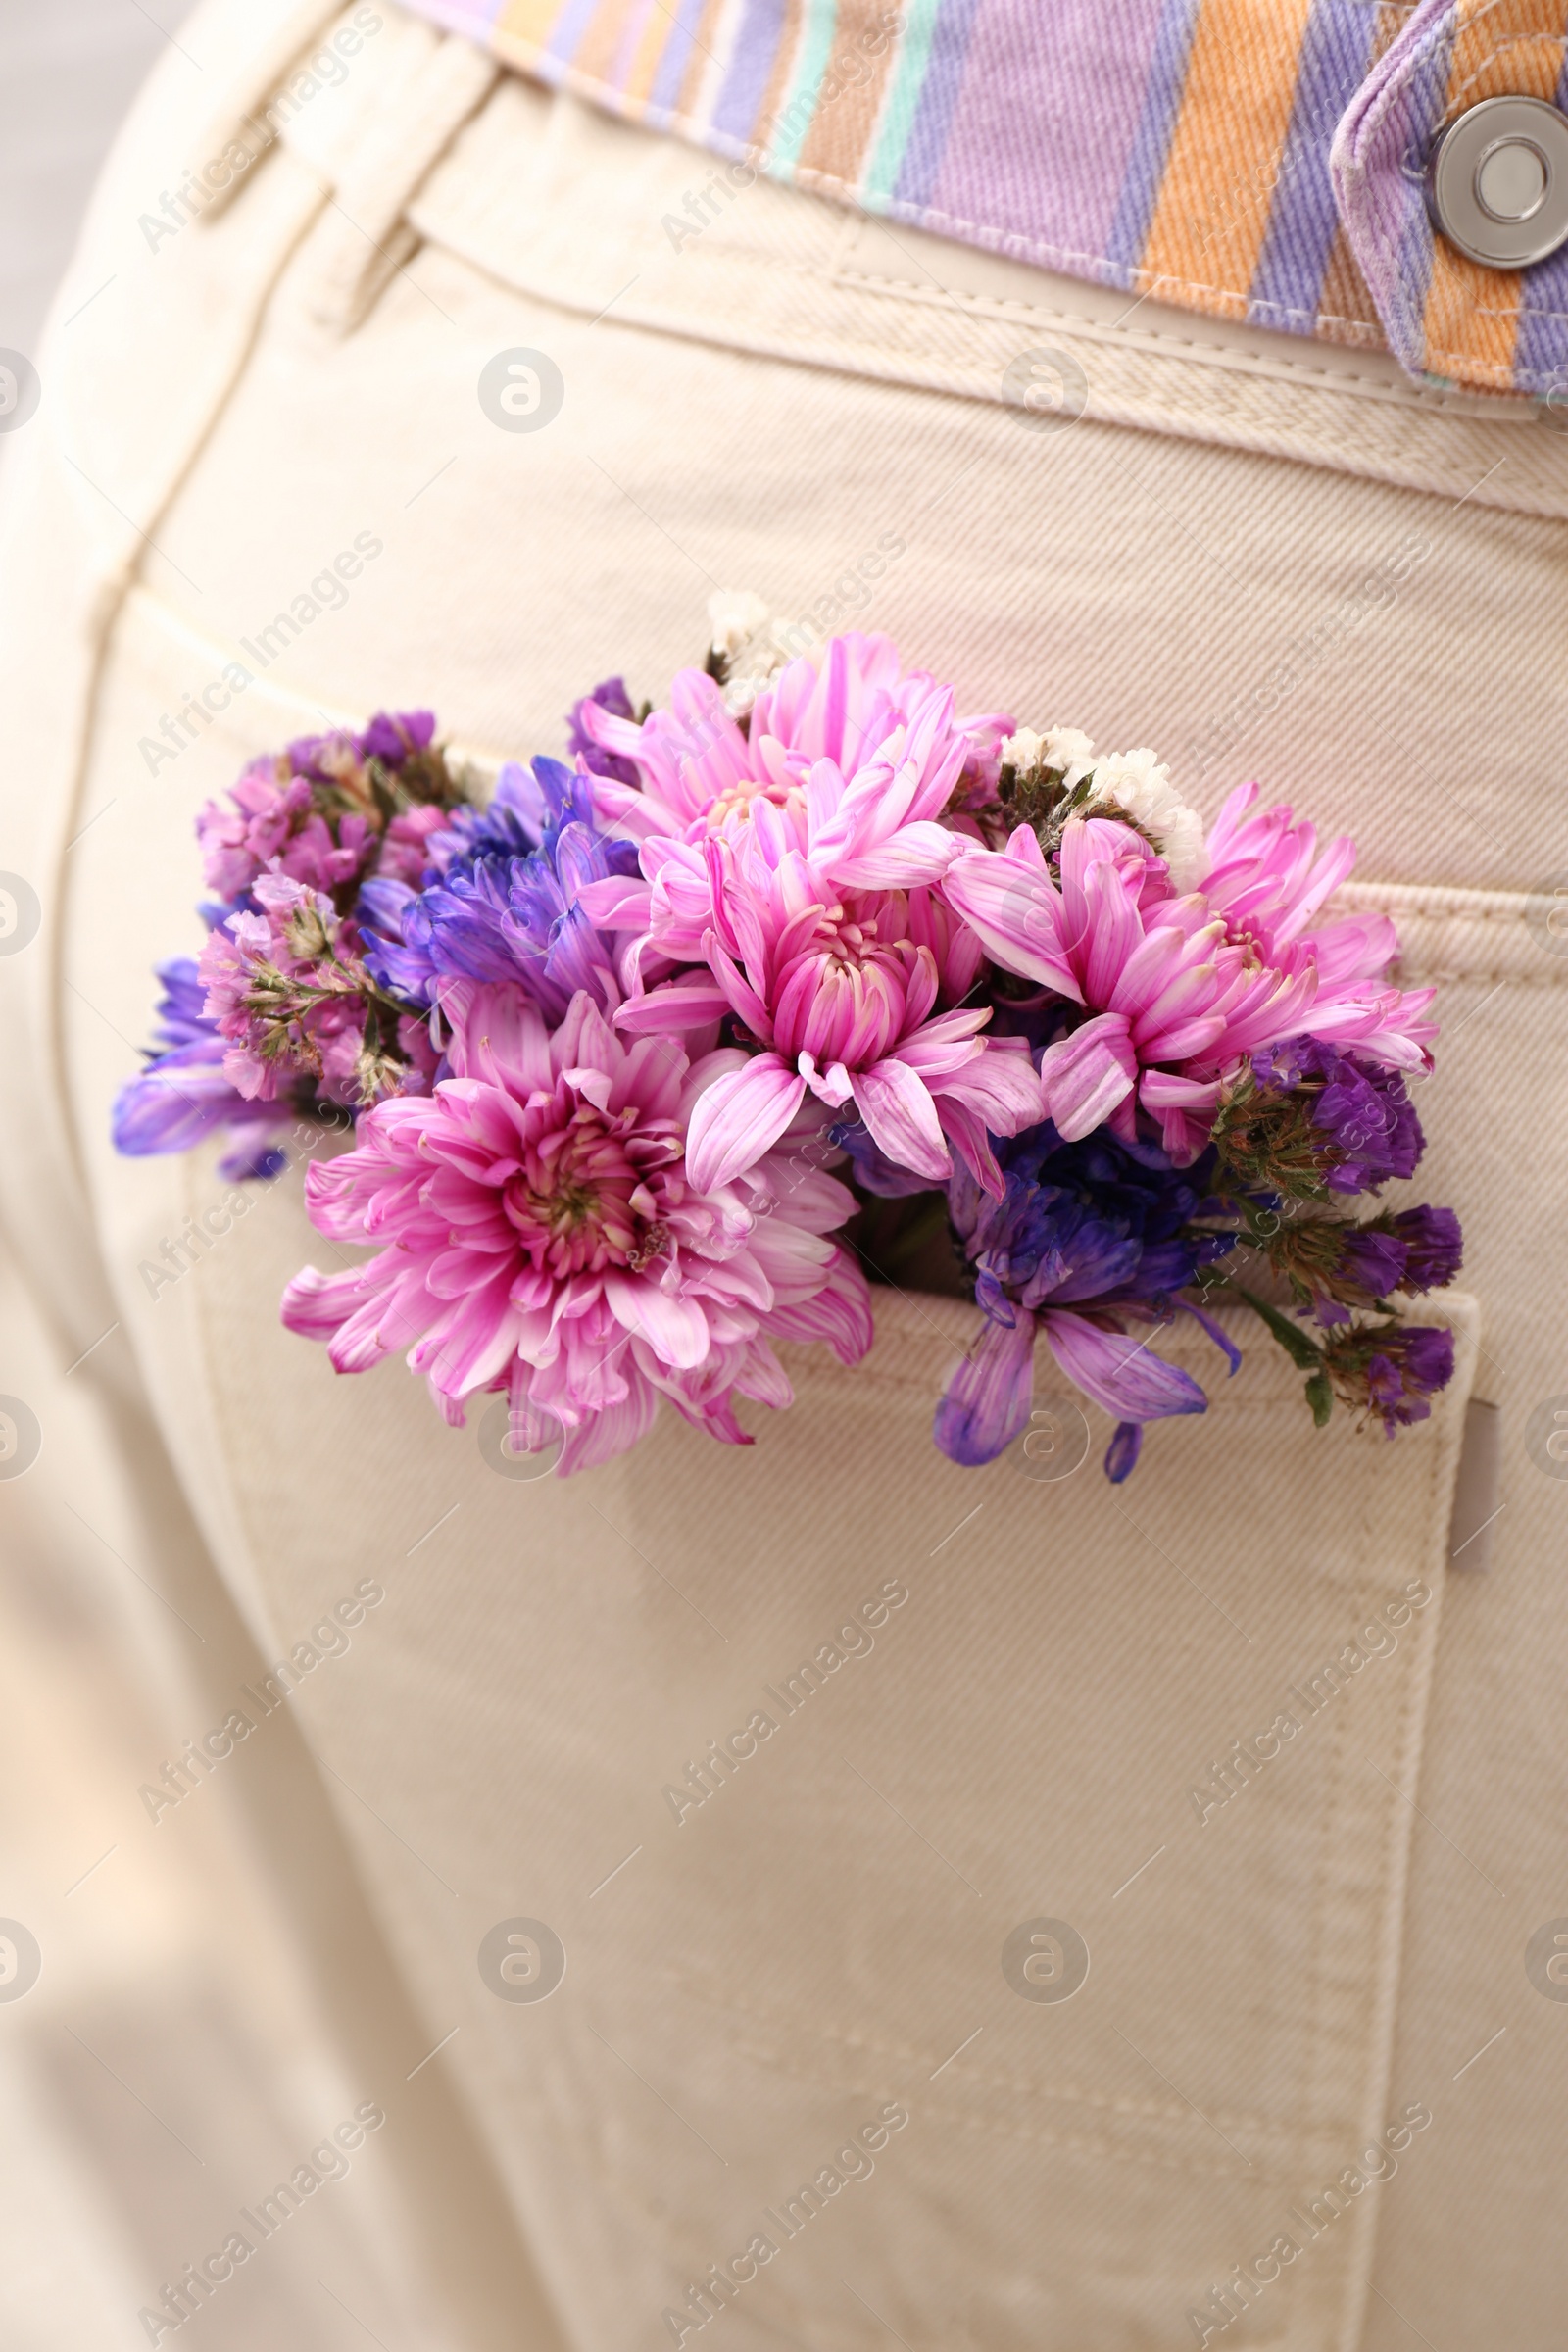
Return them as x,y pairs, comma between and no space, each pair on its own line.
1121,1454
1122,1374
613,1430
673,1009
739,1118
674,1327
917,854
1014,905
987,1400
1085,1077
897,1106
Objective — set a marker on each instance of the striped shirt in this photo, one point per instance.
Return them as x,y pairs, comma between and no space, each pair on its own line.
1258,159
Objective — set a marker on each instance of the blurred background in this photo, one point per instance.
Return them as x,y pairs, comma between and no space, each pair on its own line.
176,2036
69,69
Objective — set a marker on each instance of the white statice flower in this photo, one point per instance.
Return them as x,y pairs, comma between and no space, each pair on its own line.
1065,748
1071,750
736,615
743,636
1140,783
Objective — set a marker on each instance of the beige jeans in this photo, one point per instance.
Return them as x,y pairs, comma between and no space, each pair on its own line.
989,1998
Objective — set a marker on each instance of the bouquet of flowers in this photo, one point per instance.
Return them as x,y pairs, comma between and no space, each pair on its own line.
659,1054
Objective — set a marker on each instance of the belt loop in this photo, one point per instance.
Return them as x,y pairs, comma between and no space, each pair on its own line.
366,238
240,120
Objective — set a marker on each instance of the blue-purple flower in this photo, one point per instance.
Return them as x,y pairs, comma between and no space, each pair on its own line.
511,823
505,902
1369,1265
1418,1250
183,1095
1086,1236
1434,1246
1334,1267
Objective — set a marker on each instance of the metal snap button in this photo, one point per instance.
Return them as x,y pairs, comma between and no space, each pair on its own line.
1497,181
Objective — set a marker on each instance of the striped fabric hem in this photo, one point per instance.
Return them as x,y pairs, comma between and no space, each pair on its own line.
1256,160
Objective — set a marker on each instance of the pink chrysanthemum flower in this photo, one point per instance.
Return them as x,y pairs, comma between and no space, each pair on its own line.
695,765
797,861
1180,991
542,1234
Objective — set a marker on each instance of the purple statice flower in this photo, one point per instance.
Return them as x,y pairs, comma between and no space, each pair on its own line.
390,737
609,695
404,853
1417,1249
1390,1371
1085,1236
269,822
273,821
1434,1246
288,998
1364,1111
1371,1263
505,912
184,1095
